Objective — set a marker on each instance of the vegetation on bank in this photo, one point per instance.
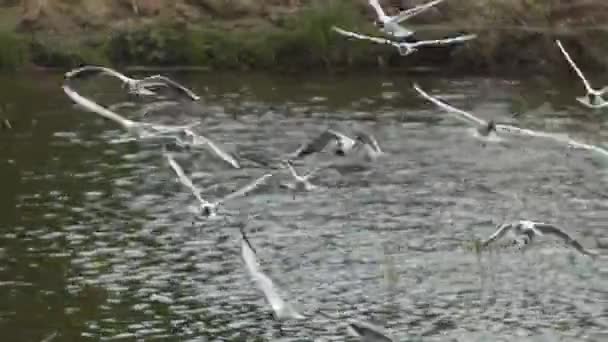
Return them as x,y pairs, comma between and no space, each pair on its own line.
512,35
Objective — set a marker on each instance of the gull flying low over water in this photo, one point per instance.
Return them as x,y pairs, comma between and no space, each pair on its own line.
390,24
485,128
343,144
368,332
524,232
282,309
300,183
139,129
209,209
405,48
147,86
594,97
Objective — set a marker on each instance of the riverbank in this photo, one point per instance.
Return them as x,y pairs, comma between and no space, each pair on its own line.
288,35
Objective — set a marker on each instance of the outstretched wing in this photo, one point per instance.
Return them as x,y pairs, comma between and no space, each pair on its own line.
462,114
404,15
181,175
227,157
379,11
369,139
551,229
96,108
364,37
155,80
502,230
574,66
316,145
92,70
245,190
445,41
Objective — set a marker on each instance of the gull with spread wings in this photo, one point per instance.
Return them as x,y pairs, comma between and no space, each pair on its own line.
524,232
209,209
390,24
301,182
342,144
594,97
485,128
147,86
405,48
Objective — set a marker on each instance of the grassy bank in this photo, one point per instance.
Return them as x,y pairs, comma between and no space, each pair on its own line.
512,36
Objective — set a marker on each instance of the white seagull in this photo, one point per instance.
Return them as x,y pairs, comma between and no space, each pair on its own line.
390,24
368,332
526,231
300,183
140,129
485,128
405,48
282,309
342,144
209,209
594,98
147,86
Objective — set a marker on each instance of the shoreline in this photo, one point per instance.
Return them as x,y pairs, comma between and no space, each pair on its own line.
302,41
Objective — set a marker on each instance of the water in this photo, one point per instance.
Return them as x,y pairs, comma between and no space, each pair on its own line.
97,240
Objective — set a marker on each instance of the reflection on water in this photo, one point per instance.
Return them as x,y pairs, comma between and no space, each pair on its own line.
98,240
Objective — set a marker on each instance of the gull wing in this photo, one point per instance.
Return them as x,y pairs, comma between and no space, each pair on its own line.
311,173
172,84
95,108
245,190
367,331
90,70
213,147
465,115
404,15
264,283
502,230
369,139
185,180
551,229
584,100
364,37
574,66
292,170
445,41
560,138
379,11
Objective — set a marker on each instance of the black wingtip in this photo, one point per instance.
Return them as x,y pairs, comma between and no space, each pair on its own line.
244,236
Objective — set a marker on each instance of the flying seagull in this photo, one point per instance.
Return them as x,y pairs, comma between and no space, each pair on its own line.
405,48
594,98
209,209
368,332
140,129
342,144
390,24
300,183
526,231
485,128
147,86
282,309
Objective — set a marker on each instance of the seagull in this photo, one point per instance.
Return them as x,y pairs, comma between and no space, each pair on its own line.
390,24
139,129
369,144
525,231
209,209
367,332
405,48
282,309
594,98
342,144
147,86
485,128
301,183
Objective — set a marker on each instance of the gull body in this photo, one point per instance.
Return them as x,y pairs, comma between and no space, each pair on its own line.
146,86
594,97
300,183
405,48
486,128
525,232
368,332
282,309
207,208
390,25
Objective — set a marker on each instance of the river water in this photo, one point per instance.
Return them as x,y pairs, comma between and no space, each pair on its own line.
99,242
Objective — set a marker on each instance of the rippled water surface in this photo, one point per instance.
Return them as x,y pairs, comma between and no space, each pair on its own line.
99,242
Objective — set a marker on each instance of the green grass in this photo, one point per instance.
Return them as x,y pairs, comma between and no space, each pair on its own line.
14,51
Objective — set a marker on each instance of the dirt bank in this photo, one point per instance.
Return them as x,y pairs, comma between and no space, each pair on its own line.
513,36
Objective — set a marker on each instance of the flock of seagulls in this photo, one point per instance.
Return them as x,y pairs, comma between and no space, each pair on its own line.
336,144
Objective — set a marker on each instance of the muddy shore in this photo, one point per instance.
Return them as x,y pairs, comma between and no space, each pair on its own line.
294,35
